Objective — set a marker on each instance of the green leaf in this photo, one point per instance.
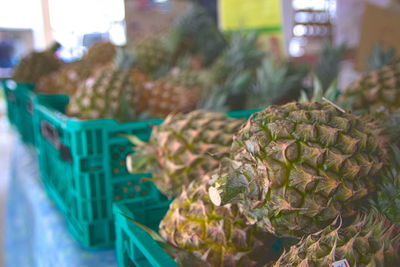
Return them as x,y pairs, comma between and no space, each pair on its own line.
152,233
328,68
318,91
333,92
380,57
303,97
134,140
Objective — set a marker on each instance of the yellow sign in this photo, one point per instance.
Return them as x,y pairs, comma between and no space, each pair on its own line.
250,14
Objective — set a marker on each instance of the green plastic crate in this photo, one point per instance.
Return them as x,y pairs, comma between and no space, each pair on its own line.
26,96
10,94
20,98
82,164
134,246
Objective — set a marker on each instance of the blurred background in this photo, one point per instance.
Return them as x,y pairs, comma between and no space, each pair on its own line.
298,31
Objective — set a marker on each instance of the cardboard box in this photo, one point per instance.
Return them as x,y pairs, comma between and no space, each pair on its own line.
379,25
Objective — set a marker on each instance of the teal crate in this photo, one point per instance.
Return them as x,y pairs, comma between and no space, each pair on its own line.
10,94
134,246
20,108
25,100
82,164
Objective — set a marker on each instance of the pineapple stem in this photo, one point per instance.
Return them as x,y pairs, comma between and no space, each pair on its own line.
333,104
134,140
138,162
227,189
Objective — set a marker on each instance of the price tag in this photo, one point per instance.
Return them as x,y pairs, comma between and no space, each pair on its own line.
341,263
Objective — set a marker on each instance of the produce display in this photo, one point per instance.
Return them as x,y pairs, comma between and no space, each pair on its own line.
217,235
108,94
159,98
183,148
68,78
301,166
315,170
370,240
377,90
151,55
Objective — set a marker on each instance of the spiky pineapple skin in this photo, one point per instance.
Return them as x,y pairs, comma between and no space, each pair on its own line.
160,98
151,55
36,65
184,77
217,235
187,146
107,94
302,165
66,80
371,240
101,53
376,90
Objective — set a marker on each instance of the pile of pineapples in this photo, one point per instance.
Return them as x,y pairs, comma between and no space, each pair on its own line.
305,183
191,66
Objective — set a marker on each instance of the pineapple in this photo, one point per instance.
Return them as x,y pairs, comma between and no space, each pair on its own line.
180,256
64,81
217,235
388,197
100,54
376,91
276,82
242,53
37,64
152,55
369,241
231,74
185,77
158,98
107,94
302,165
183,148
68,78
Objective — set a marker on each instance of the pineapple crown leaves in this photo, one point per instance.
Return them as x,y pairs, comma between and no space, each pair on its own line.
380,57
182,257
214,99
388,198
318,94
233,72
217,97
144,158
328,67
195,32
242,51
276,80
